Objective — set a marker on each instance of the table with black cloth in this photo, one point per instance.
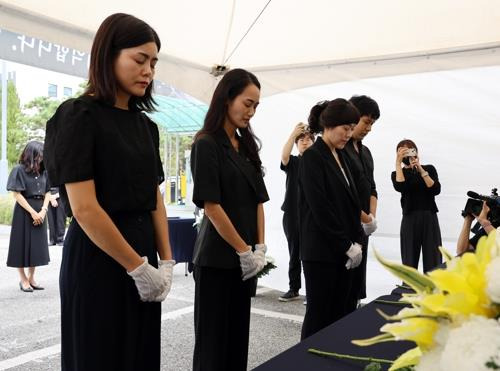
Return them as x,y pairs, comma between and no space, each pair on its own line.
361,324
182,236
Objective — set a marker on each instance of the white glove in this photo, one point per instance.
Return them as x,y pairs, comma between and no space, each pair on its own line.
355,254
260,251
166,268
370,227
149,281
250,263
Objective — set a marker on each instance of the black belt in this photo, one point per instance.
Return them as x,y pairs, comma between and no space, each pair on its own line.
36,197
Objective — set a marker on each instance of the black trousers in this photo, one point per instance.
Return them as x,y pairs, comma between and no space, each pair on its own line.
57,223
221,319
328,288
358,288
291,230
420,231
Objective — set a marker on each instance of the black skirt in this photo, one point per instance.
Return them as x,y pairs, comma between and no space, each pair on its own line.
105,326
28,246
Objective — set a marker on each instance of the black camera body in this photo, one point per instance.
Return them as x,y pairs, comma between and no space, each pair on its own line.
474,205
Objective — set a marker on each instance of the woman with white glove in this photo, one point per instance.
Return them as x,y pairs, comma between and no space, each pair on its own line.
331,231
102,152
230,249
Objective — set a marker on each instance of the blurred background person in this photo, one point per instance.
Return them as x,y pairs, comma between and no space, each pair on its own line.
57,218
330,227
361,162
465,242
28,247
303,139
418,185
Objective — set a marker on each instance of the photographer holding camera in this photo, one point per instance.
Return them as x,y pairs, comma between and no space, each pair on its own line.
418,185
487,220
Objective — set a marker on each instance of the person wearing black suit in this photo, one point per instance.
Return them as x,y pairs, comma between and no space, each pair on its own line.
330,224
362,167
230,249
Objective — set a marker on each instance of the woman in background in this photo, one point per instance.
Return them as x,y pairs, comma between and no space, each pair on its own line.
28,246
418,185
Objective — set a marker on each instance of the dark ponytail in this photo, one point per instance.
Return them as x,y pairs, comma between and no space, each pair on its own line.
314,114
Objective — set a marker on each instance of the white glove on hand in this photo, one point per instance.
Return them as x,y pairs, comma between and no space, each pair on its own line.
371,227
149,281
260,251
250,263
166,268
355,254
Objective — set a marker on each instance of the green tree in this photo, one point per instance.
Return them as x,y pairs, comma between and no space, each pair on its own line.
16,135
36,114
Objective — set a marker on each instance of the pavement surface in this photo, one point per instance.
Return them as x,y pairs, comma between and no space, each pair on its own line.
30,322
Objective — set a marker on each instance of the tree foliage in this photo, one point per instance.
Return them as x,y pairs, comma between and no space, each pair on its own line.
16,135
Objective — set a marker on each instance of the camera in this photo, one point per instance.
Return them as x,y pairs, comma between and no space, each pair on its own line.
412,152
474,205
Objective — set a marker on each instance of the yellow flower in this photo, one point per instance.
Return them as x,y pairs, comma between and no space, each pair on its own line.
408,358
419,330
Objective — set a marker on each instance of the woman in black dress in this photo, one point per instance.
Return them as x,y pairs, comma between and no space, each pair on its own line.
330,216
102,152
230,249
28,247
418,185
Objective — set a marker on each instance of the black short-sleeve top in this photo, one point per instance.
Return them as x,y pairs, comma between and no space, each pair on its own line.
226,177
118,149
30,184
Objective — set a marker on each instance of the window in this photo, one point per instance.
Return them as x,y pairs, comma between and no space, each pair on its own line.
52,91
68,92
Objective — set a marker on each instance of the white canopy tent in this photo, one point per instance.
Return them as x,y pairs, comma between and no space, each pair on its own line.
289,44
361,46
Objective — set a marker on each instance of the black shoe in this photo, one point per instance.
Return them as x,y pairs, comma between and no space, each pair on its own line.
37,287
27,289
289,296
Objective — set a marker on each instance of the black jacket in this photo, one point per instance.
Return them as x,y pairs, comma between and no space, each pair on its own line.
226,177
329,207
362,171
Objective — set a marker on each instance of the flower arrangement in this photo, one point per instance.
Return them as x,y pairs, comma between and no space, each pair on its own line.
268,267
454,317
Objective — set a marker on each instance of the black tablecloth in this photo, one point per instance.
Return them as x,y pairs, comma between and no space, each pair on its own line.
362,324
182,238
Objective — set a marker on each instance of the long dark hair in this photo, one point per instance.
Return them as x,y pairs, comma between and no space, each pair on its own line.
32,157
230,86
328,114
118,31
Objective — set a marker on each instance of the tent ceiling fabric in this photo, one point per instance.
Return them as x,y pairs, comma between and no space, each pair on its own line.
292,45
177,115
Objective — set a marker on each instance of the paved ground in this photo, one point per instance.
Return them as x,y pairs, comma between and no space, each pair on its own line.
29,322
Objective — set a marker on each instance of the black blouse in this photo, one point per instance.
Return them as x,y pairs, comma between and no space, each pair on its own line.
28,184
226,177
87,139
415,195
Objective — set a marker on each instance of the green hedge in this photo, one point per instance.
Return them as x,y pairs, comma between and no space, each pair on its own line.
6,208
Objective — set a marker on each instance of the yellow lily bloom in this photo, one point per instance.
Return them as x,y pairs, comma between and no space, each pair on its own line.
419,330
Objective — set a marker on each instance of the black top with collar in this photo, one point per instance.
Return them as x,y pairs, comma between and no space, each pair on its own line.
329,206
226,177
362,172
